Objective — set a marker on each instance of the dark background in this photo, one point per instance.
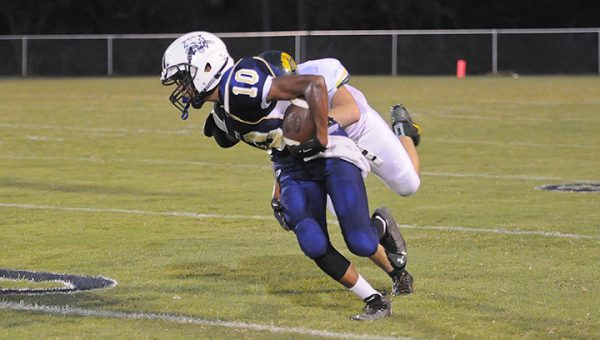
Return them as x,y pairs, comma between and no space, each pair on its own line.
530,53
172,16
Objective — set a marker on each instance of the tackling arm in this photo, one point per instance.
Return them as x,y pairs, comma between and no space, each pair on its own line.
344,108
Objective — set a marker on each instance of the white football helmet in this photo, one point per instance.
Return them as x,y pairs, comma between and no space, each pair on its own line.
195,62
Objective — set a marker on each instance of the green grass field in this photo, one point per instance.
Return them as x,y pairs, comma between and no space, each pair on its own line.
101,177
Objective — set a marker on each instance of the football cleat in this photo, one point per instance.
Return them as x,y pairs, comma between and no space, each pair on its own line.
403,283
392,240
403,125
378,307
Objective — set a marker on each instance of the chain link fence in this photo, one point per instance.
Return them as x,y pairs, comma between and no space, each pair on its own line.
399,52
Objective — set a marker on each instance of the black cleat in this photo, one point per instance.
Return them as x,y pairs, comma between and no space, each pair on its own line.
403,284
403,125
378,307
392,240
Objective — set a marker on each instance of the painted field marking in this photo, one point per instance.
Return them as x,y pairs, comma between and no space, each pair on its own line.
191,129
516,177
75,311
94,159
448,115
267,167
70,283
44,138
534,145
501,231
188,130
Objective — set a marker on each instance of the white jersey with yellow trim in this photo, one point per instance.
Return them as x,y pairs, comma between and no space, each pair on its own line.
335,75
392,164
331,69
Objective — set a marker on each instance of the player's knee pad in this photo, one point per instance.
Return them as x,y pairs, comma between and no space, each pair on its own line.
362,243
406,185
333,263
312,239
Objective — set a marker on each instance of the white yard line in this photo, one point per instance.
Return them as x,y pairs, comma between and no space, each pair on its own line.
186,131
267,167
191,129
523,144
516,177
94,159
75,311
524,118
500,231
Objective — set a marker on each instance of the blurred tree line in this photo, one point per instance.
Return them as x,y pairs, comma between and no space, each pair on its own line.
178,16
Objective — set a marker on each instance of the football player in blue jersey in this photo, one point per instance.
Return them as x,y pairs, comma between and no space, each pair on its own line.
253,103
391,153
365,126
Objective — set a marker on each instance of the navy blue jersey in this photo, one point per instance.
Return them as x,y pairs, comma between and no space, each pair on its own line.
245,89
243,94
254,120
304,185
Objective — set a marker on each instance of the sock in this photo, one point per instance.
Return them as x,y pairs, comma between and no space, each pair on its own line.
363,289
380,225
397,272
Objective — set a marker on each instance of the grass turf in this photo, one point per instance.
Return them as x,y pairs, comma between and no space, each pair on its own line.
93,169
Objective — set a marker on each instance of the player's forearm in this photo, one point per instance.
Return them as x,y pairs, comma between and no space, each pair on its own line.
345,114
344,109
318,103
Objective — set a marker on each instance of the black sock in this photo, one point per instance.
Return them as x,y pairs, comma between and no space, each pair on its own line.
397,272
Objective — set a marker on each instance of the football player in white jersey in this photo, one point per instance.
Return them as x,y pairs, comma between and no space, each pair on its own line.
392,154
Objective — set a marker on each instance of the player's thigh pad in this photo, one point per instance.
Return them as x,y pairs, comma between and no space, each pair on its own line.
346,188
397,170
304,208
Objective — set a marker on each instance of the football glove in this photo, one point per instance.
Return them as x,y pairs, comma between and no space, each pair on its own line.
221,137
307,149
278,213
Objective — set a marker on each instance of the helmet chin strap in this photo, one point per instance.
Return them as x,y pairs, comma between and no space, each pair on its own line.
198,100
184,114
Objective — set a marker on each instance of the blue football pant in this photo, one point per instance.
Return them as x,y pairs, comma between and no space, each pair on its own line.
303,197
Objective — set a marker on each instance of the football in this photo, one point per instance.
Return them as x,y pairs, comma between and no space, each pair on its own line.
298,124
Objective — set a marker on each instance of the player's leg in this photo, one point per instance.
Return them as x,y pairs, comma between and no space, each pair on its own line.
304,207
345,186
407,131
303,204
395,249
378,238
397,169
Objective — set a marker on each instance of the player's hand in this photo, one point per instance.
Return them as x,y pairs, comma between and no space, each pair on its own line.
209,125
308,149
221,137
278,213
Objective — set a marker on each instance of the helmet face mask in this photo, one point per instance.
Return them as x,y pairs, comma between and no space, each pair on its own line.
195,62
182,76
